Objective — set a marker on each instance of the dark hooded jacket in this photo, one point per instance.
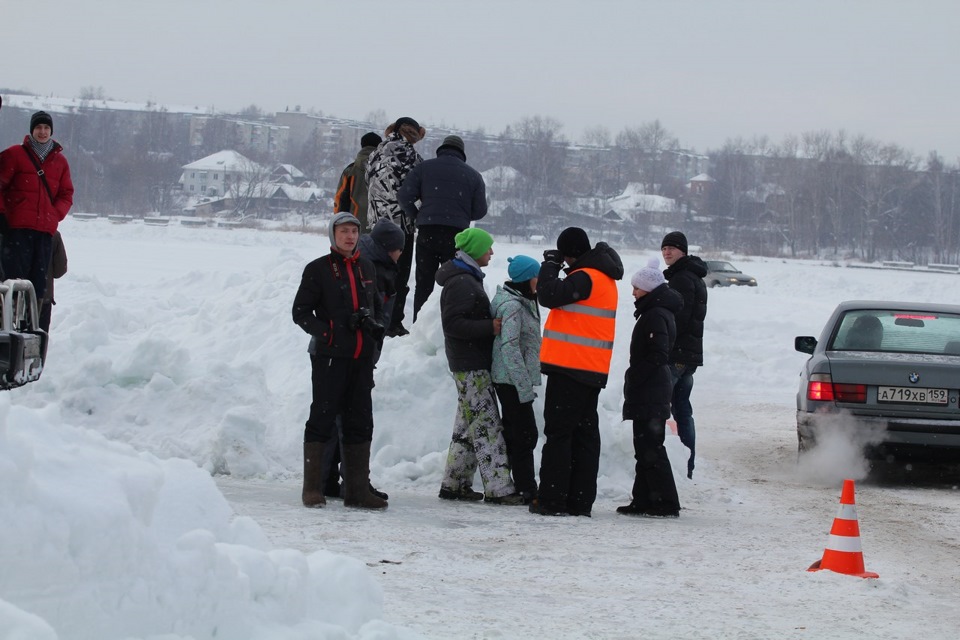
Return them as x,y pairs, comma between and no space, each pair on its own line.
685,276
465,316
451,192
386,276
553,292
648,383
332,289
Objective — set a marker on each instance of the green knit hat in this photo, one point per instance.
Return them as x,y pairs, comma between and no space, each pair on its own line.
473,241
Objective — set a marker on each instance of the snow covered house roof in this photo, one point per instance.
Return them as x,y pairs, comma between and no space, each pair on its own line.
290,170
633,198
227,160
702,177
500,176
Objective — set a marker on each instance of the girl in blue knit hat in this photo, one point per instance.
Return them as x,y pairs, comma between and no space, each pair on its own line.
516,367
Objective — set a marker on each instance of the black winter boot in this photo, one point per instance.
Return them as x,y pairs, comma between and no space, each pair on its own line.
312,474
356,483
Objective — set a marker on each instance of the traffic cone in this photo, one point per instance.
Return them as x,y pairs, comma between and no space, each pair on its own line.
843,553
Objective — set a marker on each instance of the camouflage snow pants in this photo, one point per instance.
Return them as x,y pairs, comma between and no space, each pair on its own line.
477,438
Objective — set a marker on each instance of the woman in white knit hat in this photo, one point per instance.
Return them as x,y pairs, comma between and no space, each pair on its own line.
647,391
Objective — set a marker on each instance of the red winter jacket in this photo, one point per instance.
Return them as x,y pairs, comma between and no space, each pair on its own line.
25,200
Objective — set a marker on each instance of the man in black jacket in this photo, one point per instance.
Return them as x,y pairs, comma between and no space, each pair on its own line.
685,275
339,306
452,195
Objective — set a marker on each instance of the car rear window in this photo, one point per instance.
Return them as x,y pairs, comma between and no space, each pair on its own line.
889,331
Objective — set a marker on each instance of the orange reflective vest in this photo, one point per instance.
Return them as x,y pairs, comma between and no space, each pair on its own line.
580,335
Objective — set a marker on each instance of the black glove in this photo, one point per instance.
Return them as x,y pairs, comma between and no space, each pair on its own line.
374,329
552,255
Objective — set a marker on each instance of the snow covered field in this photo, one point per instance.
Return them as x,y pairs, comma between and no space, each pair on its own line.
173,357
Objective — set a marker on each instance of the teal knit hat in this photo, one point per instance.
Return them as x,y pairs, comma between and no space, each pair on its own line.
473,241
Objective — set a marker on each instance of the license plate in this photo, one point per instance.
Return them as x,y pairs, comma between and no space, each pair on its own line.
912,394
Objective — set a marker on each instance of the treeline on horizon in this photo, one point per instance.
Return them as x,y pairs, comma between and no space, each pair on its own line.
814,194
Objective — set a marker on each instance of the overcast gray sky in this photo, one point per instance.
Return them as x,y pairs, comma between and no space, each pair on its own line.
708,71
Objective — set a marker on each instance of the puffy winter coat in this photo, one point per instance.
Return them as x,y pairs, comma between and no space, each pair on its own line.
648,384
386,273
465,315
387,167
332,289
685,276
451,192
516,351
25,199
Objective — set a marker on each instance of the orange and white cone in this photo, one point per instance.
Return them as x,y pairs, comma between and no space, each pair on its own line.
843,553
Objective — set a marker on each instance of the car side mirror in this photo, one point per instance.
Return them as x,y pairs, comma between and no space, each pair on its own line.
805,344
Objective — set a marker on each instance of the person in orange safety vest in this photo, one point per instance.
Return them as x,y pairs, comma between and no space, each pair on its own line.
575,356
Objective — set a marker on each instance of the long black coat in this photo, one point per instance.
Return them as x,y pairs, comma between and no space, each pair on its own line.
685,276
465,316
332,289
648,384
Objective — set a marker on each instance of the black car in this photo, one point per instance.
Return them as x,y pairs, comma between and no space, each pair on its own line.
721,273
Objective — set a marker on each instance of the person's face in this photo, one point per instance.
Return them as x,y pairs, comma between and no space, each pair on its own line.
410,133
484,260
639,293
671,254
41,133
346,235
533,284
395,254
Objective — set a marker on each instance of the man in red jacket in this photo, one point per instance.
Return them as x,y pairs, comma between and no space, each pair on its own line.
37,194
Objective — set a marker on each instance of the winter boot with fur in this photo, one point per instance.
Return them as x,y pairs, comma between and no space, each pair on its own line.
356,482
313,474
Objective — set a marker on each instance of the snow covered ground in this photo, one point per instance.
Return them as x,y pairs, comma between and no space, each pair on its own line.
173,357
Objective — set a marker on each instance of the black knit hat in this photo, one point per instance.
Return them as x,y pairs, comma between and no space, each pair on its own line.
675,239
453,142
388,235
40,117
573,242
370,140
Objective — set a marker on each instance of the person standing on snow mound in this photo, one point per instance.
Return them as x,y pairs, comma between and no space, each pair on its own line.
387,168
352,189
685,275
337,303
468,332
452,194
37,194
516,368
575,356
647,388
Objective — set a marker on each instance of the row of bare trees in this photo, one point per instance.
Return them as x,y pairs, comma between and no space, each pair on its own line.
826,192
812,193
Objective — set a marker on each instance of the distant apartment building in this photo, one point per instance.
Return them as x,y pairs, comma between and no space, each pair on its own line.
263,137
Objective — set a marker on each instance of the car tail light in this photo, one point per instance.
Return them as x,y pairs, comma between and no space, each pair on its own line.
822,388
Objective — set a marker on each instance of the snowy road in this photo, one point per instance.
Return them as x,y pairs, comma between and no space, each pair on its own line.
733,565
